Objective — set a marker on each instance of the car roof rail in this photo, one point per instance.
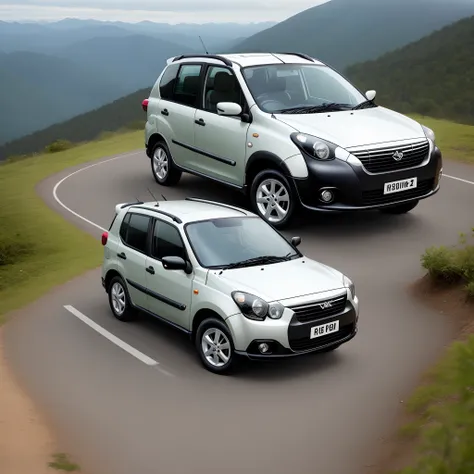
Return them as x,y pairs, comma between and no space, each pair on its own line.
215,203
209,56
301,55
159,211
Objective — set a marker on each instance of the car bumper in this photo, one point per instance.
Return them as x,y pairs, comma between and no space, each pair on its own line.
290,337
355,189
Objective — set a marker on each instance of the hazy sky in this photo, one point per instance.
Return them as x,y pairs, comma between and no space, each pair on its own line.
168,11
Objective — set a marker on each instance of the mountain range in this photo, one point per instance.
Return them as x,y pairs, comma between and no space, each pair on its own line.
52,72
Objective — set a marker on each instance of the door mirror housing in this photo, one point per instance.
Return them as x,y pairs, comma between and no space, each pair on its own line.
229,109
176,263
370,94
295,241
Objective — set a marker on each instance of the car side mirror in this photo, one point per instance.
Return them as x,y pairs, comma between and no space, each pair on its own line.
176,263
295,241
229,109
371,94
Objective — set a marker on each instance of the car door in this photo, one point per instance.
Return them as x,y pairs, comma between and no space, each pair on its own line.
221,141
132,256
177,107
170,291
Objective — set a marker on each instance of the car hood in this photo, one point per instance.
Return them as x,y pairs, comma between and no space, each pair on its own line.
356,127
279,281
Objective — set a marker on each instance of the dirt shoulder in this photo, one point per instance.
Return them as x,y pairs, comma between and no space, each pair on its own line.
398,452
26,444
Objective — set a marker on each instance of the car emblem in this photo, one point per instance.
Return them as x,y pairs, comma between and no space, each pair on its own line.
326,304
397,156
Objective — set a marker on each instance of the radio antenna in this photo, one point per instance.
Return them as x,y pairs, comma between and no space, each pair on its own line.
157,204
203,45
164,199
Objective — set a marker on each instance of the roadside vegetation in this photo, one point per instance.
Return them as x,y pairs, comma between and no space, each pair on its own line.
61,462
38,248
443,408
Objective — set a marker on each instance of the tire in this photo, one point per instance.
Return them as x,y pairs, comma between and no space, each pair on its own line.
210,328
261,189
162,166
400,209
119,300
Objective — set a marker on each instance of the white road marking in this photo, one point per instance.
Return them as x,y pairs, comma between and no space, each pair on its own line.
55,189
459,179
108,335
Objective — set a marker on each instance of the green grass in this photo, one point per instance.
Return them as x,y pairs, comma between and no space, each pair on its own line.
61,462
456,141
38,248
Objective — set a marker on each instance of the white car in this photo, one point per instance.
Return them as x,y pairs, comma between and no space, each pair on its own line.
227,278
288,131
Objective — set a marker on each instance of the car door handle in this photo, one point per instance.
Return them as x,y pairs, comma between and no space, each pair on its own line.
151,270
200,122
122,256
165,112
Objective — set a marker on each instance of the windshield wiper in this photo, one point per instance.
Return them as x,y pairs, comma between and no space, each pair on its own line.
314,109
367,104
262,260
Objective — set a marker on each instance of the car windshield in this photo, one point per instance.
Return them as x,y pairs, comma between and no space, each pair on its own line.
237,242
300,88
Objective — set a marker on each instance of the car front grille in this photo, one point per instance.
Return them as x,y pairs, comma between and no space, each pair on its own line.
305,343
319,310
375,197
381,160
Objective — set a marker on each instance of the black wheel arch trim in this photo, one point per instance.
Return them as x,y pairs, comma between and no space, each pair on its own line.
268,156
163,299
153,140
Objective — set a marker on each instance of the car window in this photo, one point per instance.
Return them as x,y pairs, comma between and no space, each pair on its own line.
167,241
124,226
187,85
137,231
221,85
220,242
167,82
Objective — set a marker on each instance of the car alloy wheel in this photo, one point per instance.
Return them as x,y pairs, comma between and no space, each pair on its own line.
160,163
215,346
272,198
164,170
119,300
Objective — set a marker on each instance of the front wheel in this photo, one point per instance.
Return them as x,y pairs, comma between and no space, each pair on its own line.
272,197
400,208
215,346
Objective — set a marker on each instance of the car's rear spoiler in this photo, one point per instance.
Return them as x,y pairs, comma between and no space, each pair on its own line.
123,205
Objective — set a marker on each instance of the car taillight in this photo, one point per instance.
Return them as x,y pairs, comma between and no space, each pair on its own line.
145,105
105,237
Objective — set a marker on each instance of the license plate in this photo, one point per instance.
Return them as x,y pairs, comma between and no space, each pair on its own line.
324,329
398,186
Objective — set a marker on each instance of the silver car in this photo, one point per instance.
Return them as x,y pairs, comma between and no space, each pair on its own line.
227,278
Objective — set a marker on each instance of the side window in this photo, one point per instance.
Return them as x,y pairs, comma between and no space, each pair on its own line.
168,81
167,242
137,231
187,85
124,226
221,85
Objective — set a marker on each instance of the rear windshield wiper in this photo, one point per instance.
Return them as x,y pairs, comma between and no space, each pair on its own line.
367,104
264,259
314,109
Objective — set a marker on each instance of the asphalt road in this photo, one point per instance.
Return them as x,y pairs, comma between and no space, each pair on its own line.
317,414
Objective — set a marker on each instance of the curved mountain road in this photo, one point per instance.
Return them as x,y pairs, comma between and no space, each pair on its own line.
120,413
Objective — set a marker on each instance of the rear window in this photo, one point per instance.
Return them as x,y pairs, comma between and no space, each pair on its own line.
134,231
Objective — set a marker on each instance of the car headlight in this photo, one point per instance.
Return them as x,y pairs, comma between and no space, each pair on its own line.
348,284
253,307
315,147
429,133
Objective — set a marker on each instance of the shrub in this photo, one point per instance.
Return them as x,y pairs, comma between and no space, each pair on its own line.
441,263
58,145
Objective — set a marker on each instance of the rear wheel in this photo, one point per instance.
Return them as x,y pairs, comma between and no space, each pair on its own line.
272,198
119,300
400,208
162,166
